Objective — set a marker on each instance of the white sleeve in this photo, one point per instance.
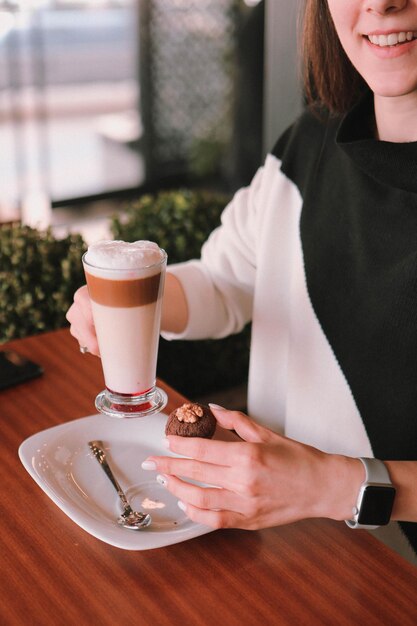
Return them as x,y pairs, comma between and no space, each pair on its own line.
219,287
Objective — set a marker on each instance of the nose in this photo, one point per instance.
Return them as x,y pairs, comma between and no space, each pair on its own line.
384,7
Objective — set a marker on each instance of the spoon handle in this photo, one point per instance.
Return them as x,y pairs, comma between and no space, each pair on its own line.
98,451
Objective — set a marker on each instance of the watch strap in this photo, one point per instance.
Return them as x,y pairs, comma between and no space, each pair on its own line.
376,472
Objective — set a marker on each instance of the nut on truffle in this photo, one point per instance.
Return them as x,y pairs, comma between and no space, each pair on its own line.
191,420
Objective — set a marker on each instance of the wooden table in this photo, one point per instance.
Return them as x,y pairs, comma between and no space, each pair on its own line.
53,572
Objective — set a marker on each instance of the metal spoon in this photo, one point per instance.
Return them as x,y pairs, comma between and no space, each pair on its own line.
134,520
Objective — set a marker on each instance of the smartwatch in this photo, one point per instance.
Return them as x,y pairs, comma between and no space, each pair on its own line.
376,497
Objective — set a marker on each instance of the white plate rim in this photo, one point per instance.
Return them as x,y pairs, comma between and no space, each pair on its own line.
118,537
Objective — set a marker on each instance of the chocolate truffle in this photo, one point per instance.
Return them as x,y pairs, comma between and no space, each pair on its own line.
191,420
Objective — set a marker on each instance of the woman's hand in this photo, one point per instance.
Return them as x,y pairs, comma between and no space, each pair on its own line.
80,317
260,481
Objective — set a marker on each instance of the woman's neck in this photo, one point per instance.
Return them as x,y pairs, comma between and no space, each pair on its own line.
396,118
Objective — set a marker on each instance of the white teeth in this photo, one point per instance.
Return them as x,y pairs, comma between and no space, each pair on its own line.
392,39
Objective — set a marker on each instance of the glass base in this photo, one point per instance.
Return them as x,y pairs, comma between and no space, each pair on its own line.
115,405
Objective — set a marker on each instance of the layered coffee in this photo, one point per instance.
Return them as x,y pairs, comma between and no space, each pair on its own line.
125,282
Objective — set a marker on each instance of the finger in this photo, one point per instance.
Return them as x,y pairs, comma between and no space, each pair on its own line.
81,319
208,450
82,300
203,497
190,468
81,308
245,427
213,519
81,330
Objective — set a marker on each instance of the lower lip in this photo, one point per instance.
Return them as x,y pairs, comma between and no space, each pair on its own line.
391,52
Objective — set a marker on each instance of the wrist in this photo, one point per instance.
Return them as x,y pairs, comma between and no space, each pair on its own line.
343,477
404,477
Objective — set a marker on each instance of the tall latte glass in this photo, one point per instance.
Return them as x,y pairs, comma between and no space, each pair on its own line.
126,282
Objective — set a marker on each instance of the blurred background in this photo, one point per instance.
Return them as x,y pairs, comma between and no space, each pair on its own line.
106,99
134,119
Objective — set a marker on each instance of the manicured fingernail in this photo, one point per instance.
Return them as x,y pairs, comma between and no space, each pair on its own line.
216,407
161,480
165,442
149,465
181,505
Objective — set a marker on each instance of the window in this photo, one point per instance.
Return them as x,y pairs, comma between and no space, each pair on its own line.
68,99
100,96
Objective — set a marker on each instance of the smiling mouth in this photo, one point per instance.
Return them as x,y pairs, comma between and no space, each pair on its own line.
393,39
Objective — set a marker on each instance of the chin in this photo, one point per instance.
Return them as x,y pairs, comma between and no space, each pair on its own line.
389,87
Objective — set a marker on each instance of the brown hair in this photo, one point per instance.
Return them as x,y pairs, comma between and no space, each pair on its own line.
330,80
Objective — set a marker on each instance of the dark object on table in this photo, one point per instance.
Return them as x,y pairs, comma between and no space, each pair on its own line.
15,369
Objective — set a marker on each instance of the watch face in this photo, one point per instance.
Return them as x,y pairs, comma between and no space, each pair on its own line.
376,505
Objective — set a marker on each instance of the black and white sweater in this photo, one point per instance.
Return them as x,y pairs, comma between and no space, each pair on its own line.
320,252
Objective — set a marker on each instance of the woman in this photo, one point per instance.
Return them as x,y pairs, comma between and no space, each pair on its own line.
319,252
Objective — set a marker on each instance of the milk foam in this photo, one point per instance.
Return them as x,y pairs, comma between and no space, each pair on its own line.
124,256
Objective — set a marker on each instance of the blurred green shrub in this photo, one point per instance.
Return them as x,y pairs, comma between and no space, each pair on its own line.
38,277
180,221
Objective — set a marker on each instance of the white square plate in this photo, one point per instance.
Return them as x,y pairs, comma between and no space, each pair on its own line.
63,466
